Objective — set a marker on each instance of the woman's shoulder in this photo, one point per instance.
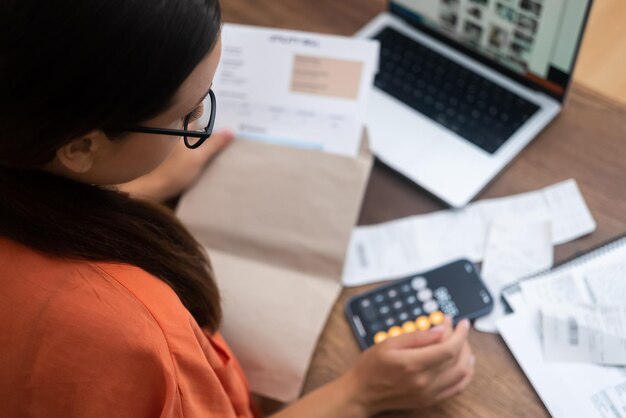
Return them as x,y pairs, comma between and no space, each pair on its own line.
82,339
98,332
112,298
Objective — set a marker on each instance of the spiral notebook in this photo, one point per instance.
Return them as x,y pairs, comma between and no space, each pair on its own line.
566,389
601,254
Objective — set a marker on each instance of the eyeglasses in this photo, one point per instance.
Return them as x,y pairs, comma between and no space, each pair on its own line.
195,125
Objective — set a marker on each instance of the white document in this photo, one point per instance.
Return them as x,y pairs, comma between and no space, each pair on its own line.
382,251
601,282
426,241
574,332
567,389
295,88
607,284
582,313
559,288
514,250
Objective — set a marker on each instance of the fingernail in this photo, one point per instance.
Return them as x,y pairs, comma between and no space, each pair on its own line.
465,323
472,360
436,328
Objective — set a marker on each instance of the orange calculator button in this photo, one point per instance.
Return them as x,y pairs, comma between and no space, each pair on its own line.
408,326
436,318
380,337
394,331
422,323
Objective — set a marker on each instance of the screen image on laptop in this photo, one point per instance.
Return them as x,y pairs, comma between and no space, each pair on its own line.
535,39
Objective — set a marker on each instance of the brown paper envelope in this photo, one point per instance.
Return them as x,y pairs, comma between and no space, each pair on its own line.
273,318
276,222
285,206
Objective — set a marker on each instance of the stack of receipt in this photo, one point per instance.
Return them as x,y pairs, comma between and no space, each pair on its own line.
397,248
513,237
581,314
567,332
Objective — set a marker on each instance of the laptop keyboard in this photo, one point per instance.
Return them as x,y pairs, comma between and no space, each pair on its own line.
448,93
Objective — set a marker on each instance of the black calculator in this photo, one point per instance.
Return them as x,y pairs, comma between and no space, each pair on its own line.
418,302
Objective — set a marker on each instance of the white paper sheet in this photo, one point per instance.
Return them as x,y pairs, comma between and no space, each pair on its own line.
382,251
567,389
295,88
559,288
581,313
514,250
574,332
426,241
607,285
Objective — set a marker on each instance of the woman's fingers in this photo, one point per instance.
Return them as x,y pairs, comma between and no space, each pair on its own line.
416,339
459,370
457,388
436,355
215,144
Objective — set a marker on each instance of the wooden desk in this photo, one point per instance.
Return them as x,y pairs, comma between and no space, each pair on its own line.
586,142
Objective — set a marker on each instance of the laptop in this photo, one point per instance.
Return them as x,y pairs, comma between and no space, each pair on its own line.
465,85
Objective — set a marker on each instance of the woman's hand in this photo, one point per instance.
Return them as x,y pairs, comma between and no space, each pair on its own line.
410,371
413,370
178,171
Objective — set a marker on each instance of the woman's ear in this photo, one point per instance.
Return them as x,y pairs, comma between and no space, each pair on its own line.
79,154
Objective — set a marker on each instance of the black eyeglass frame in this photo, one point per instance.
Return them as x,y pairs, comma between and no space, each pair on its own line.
185,133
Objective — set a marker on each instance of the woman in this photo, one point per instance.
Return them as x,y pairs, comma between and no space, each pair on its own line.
108,307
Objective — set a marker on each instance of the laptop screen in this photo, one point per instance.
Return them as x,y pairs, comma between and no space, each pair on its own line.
536,40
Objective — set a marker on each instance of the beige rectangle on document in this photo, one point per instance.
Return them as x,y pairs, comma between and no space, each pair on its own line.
326,76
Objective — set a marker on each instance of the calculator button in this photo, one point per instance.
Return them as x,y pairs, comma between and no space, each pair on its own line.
394,331
384,310
365,303
417,311
380,337
397,305
422,323
424,295
405,288
377,326
369,313
392,293
408,326
379,298
390,321
418,283
430,306
410,300
436,318
403,316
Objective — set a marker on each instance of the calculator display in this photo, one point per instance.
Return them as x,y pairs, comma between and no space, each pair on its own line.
418,302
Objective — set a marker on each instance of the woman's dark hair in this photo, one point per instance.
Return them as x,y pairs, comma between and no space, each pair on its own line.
68,67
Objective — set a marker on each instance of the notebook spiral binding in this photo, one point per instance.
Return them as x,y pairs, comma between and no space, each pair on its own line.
577,259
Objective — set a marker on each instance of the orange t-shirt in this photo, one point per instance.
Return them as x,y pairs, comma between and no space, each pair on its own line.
86,339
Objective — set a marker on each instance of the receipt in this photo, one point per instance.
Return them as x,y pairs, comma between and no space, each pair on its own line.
574,332
559,288
381,252
401,247
293,88
514,250
568,390
607,284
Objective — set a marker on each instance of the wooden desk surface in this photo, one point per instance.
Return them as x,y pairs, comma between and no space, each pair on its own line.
586,142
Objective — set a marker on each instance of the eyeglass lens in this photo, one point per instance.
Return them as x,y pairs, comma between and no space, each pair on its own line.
200,120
